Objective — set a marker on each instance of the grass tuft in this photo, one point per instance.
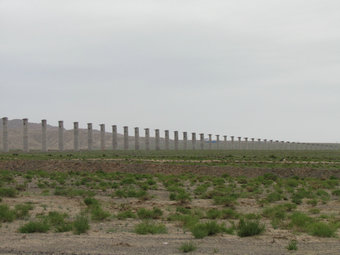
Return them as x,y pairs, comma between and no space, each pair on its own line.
81,224
188,247
35,227
249,228
150,228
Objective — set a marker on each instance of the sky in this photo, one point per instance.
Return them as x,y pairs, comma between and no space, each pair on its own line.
264,69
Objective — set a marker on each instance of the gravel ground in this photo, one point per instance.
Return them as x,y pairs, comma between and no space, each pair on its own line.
129,243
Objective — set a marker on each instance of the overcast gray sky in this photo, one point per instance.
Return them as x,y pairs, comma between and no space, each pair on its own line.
264,68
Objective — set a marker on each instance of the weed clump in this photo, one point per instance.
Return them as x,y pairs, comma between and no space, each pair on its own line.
155,213
249,228
211,228
322,229
81,224
126,214
58,222
292,246
98,214
188,247
150,228
6,214
22,210
35,227
8,192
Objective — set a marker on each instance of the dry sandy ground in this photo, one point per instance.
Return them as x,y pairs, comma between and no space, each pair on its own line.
130,243
117,236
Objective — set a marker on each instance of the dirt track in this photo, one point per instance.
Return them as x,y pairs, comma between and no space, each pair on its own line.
129,243
165,168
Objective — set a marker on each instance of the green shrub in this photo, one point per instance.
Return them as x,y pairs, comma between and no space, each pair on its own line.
57,221
336,192
6,214
312,202
213,214
321,229
98,214
314,211
188,247
155,213
300,220
8,192
81,224
229,213
22,210
277,214
181,196
207,229
35,227
292,246
187,220
150,228
90,201
249,228
126,214
273,197
226,200
183,210
270,176
292,182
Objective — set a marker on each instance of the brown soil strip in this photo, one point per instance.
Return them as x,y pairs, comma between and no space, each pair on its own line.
162,168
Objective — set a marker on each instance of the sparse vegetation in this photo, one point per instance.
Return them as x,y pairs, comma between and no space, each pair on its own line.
203,205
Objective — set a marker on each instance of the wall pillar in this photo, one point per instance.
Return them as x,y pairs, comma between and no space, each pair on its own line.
202,141
185,140
89,137
61,135
176,139
126,137
218,142
246,140
193,141
239,142
225,142
167,139
265,144
232,142
76,136
25,135
5,134
43,135
277,145
136,138
147,139
102,137
114,137
157,138
210,141
259,147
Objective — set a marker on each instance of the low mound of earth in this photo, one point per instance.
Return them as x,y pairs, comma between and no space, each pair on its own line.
160,167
